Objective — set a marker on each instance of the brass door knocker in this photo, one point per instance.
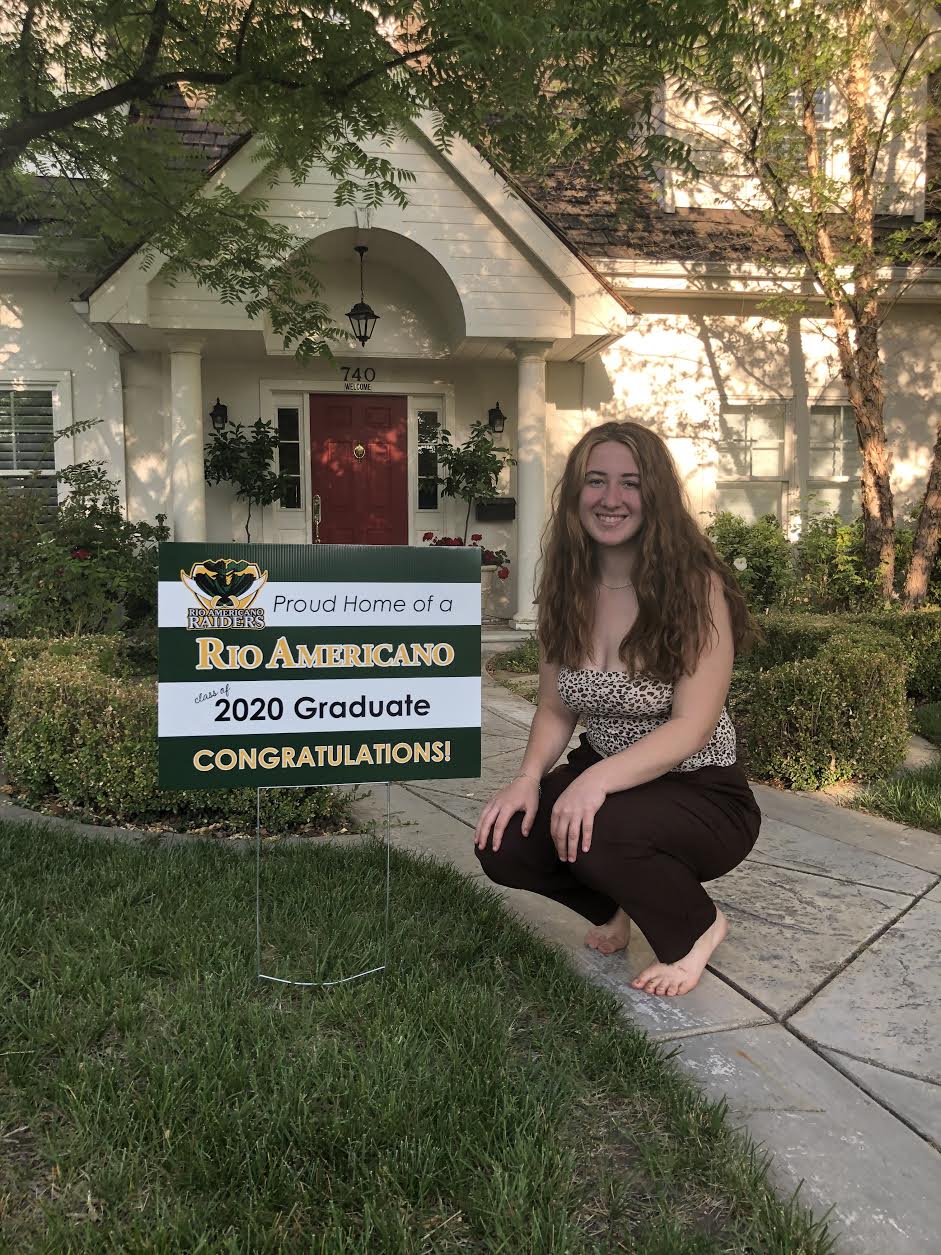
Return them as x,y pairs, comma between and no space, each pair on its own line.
358,451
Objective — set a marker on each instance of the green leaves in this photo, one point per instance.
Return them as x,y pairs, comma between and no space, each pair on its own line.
244,460
84,567
472,468
531,85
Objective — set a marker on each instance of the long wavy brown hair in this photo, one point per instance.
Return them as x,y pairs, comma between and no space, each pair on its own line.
671,575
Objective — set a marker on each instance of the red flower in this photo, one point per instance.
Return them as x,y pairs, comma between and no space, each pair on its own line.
477,536
428,536
81,554
503,573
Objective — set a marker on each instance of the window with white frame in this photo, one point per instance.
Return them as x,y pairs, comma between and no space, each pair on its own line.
834,463
27,440
289,455
788,149
751,475
429,426
821,105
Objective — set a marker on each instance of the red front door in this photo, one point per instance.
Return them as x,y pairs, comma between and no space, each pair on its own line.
359,468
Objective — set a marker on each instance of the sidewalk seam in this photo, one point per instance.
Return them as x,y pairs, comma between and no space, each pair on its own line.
861,1085
864,945
883,1067
844,880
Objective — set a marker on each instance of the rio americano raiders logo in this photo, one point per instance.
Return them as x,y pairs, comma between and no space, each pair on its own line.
225,589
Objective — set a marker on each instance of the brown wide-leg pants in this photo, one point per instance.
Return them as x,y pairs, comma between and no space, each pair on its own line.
651,848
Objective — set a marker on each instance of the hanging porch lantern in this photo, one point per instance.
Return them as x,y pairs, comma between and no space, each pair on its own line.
363,317
219,414
496,419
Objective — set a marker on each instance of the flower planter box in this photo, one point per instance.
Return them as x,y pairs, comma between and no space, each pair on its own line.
495,509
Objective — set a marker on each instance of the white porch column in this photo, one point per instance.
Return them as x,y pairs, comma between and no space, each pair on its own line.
530,474
187,479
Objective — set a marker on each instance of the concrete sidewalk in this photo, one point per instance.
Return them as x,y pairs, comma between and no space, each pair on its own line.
818,1019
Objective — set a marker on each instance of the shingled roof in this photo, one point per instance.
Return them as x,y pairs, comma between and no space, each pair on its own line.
577,208
587,215
208,140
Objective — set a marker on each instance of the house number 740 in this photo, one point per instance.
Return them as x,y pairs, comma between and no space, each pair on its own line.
356,374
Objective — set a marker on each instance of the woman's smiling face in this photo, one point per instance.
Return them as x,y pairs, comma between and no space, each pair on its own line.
609,504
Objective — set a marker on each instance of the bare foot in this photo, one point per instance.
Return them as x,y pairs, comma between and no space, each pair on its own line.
611,937
683,975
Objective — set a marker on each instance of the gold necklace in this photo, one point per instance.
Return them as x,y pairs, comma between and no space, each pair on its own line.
615,587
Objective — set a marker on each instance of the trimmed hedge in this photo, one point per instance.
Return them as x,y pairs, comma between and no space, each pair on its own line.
103,652
920,632
90,739
788,637
840,713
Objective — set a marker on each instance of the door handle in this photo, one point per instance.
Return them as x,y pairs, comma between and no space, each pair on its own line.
317,511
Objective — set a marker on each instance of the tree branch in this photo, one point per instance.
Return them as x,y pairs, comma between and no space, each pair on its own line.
243,31
155,40
441,45
22,55
16,136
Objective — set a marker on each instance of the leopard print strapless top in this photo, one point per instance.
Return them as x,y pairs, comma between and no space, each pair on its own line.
618,709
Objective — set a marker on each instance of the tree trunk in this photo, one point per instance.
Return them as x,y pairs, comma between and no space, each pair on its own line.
868,400
925,549
856,316
869,404
861,371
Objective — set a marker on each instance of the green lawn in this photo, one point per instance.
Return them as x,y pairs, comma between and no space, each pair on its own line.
928,721
477,1097
913,799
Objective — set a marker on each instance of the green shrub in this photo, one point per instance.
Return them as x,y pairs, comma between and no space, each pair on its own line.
90,739
24,511
843,713
920,631
89,569
765,551
928,721
103,652
785,636
829,570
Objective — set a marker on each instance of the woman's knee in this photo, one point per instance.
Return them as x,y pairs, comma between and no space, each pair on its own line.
502,865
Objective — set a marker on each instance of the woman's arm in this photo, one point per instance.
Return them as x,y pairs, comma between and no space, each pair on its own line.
552,726
550,732
697,704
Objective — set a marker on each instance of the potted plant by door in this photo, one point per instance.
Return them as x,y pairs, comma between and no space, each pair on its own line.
494,564
472,469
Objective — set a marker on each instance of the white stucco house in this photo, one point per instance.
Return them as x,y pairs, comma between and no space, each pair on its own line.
488,291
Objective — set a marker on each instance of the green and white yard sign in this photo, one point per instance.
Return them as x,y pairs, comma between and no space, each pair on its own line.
317,664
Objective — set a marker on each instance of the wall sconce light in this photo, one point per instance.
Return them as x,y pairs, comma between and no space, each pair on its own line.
496,419
219,415
363,318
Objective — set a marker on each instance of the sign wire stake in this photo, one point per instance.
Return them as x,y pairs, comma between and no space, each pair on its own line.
343,980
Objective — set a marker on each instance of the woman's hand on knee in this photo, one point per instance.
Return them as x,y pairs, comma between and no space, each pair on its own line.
573,817
521,794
